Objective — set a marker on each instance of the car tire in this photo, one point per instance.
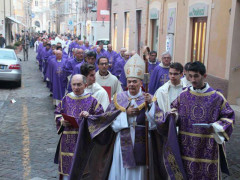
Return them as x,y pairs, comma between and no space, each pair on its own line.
19,83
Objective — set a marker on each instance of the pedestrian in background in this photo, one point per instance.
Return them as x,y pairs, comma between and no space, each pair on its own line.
2,41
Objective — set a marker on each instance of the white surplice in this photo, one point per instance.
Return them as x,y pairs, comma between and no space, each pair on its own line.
167,93
99,93
110,81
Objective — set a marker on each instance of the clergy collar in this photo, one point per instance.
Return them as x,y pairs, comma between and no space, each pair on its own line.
152,62
59,60
136,96
202,90
74,95
161,64
104,77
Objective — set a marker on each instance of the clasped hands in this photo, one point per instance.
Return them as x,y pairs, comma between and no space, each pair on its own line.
131,111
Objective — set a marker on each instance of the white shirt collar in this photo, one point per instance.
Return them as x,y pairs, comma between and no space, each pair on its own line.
74,95
200,90
155,62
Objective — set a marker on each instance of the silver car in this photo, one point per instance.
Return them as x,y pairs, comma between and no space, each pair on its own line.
10,68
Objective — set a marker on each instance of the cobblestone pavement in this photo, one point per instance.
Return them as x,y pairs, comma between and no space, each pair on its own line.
28,135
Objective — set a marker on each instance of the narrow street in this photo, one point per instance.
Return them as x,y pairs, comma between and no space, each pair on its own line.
28,135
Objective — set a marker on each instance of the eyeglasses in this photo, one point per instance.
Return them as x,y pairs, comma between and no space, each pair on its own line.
174,74
103,64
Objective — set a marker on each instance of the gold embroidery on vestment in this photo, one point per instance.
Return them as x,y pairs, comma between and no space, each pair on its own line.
202,94
199,160
70,132
196,135
66,154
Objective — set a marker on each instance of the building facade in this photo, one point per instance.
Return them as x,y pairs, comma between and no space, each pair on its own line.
191,30
128,24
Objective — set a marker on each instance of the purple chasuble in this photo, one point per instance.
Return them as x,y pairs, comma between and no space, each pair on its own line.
200,152
159,77
72,106
57,78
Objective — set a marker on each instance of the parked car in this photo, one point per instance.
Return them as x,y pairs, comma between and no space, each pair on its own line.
10,68
104,41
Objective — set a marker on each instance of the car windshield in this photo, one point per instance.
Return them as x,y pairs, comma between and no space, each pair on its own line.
7,55
105,42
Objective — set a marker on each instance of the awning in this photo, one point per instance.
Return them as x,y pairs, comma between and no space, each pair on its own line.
16,21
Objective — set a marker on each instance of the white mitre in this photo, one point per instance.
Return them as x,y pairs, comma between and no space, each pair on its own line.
135,67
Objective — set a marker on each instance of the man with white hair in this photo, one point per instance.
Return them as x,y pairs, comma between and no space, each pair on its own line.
159,75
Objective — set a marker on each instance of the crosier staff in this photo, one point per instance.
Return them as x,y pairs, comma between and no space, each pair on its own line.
146,82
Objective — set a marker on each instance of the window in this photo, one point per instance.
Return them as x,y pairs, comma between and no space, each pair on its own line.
138,29
126,30
36,3
198,39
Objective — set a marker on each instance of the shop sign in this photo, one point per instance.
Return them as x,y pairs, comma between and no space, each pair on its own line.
198,10
153,14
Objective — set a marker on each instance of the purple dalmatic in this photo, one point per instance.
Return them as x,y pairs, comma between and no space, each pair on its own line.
38,50
200,152
159,77
72,105
58,78
112,59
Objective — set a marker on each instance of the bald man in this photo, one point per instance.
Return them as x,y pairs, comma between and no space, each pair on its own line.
72,105
57,77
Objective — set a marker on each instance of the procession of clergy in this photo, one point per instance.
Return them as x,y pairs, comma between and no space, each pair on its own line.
188,122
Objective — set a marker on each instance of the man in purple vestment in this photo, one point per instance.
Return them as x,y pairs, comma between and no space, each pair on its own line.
152,62
73,62
98,53
86,46
46,53
119,69
119,58
73,104
57,77
40,54
70,65
159,75
205,121
111,55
